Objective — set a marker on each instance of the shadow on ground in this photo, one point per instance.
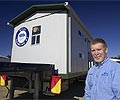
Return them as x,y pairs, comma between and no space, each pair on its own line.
76,89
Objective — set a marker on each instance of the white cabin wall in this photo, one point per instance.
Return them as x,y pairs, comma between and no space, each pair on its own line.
52,47
78,48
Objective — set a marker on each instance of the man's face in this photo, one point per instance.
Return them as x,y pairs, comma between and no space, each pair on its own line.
98,52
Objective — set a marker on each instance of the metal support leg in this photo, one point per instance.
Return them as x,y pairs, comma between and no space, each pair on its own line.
11,96
36,86
8,91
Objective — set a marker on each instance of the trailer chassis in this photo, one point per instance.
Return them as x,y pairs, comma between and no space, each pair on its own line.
28,77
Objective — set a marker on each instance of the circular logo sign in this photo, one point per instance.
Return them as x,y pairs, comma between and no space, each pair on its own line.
22,36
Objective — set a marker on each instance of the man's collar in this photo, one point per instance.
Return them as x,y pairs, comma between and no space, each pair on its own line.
101,63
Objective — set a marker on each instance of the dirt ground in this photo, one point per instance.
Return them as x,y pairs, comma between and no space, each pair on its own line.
4,92
74,93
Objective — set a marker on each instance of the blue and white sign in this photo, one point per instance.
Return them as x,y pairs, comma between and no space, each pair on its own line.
22,36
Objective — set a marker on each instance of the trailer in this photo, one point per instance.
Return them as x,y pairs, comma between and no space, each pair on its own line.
49,40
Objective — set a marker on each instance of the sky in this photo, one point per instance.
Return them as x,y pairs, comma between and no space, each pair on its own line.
101,18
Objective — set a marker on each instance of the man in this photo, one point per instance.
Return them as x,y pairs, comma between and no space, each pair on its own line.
103,79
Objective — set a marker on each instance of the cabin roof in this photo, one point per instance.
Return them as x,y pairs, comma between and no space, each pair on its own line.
46,7
35,8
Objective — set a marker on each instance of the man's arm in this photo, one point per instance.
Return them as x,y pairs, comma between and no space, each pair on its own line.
87,95
116,83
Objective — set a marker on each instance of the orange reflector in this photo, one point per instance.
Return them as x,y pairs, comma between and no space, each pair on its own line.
3,80
56,84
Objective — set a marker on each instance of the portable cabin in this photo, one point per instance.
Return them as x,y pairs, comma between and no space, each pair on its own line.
52,34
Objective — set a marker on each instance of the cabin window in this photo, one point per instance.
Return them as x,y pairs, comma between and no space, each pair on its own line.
38,39
36,30
80,55
85,39
33,39
79,32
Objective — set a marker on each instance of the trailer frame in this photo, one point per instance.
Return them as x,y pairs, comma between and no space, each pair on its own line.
29,75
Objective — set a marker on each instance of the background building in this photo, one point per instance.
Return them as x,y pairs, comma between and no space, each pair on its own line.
4,59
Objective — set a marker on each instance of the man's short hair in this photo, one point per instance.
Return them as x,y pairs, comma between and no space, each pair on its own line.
98,40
